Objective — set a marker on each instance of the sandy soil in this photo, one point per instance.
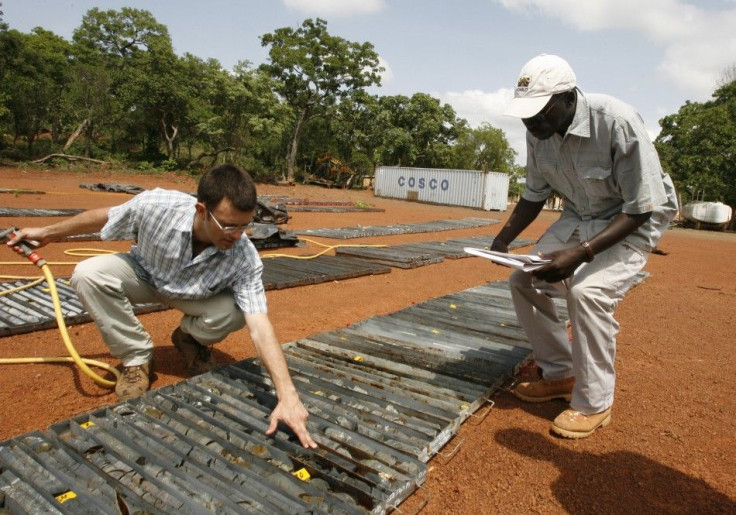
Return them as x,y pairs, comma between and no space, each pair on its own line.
670,449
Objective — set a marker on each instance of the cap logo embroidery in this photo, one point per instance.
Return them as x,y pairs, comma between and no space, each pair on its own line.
523,82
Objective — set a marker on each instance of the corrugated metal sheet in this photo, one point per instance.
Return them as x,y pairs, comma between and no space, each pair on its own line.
467,188
32,309
496,191
384,396
363,231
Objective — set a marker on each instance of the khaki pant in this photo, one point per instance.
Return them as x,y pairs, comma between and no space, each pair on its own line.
108,287
592,295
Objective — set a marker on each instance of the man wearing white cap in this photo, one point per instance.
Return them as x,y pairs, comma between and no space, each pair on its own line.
594,151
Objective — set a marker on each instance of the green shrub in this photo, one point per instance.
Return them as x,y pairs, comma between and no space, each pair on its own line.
169,165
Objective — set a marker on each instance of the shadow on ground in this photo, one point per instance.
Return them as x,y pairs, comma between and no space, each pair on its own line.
615,482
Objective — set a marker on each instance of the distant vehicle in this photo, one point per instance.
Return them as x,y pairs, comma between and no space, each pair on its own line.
333,173
708,215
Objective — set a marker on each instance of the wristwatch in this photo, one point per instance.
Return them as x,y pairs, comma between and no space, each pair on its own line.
588,250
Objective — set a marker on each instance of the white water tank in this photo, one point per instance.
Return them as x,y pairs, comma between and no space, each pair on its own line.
708,212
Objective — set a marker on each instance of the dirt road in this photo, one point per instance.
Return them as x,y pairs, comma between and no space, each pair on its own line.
671,447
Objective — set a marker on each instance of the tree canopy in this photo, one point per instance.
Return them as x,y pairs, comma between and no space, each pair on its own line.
697,146
118,92
314,70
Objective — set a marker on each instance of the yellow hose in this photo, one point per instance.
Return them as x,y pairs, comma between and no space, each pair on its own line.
327,249
74,356
34,282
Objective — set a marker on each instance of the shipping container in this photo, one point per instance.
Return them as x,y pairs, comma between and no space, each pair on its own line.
468,188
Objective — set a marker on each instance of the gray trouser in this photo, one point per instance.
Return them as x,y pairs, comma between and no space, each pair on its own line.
108,287
593,294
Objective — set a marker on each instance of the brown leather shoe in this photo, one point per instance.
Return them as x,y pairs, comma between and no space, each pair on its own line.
573,424
197,357
543,390
134,381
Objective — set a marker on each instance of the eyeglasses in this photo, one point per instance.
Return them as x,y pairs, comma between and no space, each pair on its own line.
543,114
228,229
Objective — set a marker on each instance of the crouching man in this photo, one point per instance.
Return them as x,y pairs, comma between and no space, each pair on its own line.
193,255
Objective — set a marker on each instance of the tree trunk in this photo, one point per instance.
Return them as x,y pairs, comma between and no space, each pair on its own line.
51,157
30,139
74,136
209,154
89,139
169,139
291,156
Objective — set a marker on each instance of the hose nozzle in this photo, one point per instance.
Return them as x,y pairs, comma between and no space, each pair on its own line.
22,247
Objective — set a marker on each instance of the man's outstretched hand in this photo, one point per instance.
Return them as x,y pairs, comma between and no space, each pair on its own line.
292,412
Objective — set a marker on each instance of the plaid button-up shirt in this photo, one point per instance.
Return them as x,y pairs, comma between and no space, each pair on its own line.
160,222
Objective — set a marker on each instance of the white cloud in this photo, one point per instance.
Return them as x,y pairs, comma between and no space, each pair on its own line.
697,44
387,75
479,107
336,7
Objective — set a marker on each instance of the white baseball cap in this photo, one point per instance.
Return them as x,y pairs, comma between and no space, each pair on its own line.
539,79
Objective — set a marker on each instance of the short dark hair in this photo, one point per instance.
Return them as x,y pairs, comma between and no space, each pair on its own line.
229,181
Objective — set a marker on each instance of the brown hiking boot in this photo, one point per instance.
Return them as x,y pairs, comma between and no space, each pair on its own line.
134,381
197,357
543,390
573,424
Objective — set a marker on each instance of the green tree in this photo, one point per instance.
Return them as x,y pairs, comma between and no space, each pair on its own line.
3,25
350,131
314,70
137,53
484,148
697,146
418,131
205,82
33,83
87,104
359,126
10,44
239,114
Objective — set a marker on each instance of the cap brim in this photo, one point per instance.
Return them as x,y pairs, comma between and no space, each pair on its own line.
526,107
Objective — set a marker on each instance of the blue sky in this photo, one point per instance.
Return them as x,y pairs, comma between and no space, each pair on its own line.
653,54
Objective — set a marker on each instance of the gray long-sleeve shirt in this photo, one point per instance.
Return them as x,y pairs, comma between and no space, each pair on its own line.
605,165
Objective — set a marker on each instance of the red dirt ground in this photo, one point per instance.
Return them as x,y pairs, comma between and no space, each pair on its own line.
670,449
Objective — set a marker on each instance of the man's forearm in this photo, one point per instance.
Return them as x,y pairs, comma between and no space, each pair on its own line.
83,223
266,343
523,214
621,226
566,261
289,409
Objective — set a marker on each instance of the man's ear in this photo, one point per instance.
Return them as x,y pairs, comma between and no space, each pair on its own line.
200,208
571,97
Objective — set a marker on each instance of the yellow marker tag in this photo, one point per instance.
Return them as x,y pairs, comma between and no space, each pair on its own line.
435,331
453,306
87,424
343,338
463,406
302,474
317,392
358,358
66,496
